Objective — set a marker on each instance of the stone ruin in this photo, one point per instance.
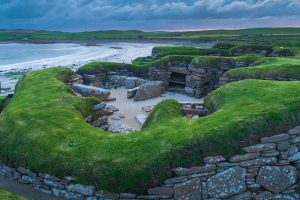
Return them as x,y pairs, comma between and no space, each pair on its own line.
268,170
137,89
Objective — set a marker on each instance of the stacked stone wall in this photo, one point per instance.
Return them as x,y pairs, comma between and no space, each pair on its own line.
268,170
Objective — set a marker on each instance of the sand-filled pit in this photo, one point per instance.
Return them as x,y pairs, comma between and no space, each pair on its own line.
129,109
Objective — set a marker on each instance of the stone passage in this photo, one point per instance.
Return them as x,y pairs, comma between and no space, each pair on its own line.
269,170
195,79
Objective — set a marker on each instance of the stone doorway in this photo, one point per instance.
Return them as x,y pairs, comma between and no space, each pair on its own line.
177,82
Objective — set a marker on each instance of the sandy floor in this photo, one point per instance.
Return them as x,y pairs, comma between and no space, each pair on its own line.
131,108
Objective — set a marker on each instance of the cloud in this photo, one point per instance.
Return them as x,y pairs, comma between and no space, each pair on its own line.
146,14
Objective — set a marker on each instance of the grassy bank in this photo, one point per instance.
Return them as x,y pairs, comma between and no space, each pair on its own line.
270,68
5,195
43,128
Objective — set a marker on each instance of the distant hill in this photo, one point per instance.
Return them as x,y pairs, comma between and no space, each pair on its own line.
34,35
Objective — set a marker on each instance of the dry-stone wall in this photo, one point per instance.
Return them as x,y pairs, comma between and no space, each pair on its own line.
268,170
200,77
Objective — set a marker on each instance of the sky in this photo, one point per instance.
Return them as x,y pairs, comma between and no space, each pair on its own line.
148,15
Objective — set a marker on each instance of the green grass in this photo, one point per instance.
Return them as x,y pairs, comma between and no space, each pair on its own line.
19,35
276,68
99,67
44,130
5,195
2,99
166,54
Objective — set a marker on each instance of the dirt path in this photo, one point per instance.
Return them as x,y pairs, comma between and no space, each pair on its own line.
23,190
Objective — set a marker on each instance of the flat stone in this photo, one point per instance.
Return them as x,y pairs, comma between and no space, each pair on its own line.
86,90
295,157
194,170
264,196
294,131
161,191
282,146
271,153
243,196
247,156
227,183
277,179
156,197
99,106
214,159
189,190
172,181
258,162
260,147
81,189
107,195
120,128
127,196
275,138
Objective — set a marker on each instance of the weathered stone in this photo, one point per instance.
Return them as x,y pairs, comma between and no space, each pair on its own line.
120,128
149,90
243,196
85,90
194,170
99,106
106,195
275,138
133,82
81,189
127,196
247,156
292,150
271,153
277,179
161,191
214,159
206,174
295,157
282,146
264,196
154,197
189,190
101,121
258,162
132,92
55,184
260,147
172,181
294,131
227,183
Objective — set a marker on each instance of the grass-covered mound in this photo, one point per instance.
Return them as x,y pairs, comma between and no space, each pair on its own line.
5,195
273,68
100,67
43,128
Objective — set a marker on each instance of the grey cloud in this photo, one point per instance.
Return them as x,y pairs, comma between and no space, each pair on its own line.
152,14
